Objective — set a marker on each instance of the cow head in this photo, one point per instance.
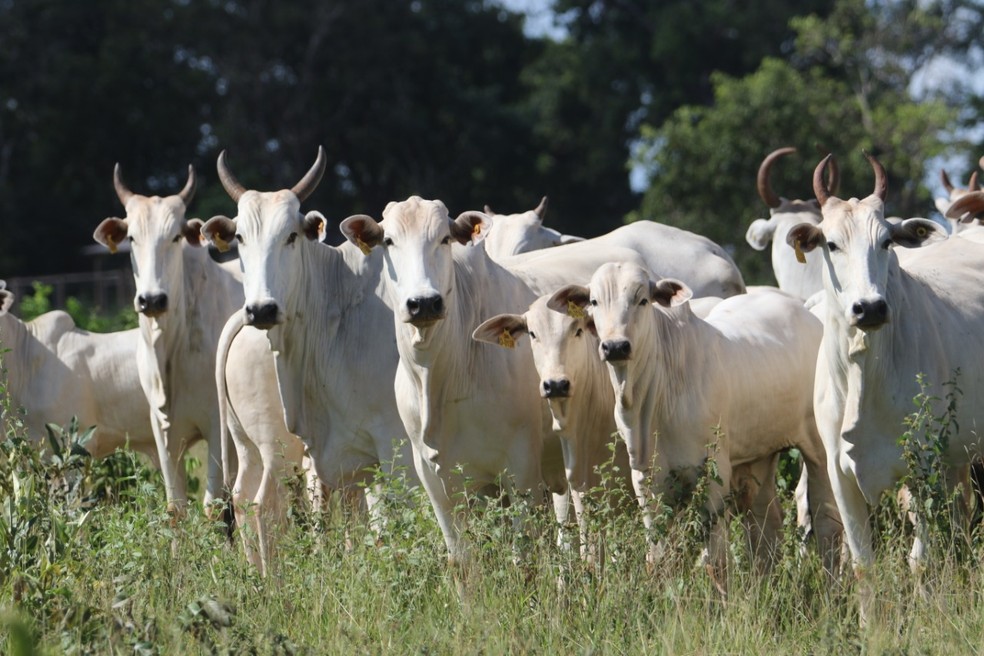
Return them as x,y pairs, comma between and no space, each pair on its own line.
619,300
857,245
563,349
271,232
157,231
7,298
416,236
521,233
954,194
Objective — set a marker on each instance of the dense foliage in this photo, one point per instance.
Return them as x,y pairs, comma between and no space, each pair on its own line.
454,100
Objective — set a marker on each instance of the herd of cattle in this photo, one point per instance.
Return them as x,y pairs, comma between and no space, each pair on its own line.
510,354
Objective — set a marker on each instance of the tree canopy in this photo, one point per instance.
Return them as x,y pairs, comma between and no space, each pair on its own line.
451,99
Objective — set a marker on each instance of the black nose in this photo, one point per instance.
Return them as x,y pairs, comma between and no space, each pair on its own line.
152,304
870,314
614,350
262,315
557,388
425,308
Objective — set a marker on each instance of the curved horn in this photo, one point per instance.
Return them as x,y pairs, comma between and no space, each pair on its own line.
764,187
819,186
541,209
881,180
310,181
981,162
233,187
188,192
833,177
946,181
122,192
972,185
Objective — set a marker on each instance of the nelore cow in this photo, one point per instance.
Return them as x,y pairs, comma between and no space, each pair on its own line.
735,387
520,233
796,273
55,371
891,332
319,306
183,299
958,220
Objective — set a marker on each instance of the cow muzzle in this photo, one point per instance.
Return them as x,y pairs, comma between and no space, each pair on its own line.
152,305
555,388
425,310
262,315
869,315
616,350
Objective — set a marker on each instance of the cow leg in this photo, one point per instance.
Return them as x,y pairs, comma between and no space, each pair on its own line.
822,506
754,490
717,512
449,517
855,514
215,480
244,493
169,454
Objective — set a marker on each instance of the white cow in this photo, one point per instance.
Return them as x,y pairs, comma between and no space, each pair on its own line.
183,299
796,273
319,306
520,233
953,194
56,370
678,379
886,324
464,406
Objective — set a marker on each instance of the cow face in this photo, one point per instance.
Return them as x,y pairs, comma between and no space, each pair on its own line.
522,233
563,349
271,233
857,245
416,236
157,231
619,300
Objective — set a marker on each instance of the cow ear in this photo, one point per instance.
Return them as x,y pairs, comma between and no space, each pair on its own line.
6,300
363,231
471,227
669,292
220,231
502,330
192,232
110,233
488,210
570,300
760,233
913,233
315,226
803,238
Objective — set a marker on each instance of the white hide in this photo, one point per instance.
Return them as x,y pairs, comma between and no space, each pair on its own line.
521,233
56,371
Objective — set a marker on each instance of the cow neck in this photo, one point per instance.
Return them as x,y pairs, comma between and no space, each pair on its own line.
589,422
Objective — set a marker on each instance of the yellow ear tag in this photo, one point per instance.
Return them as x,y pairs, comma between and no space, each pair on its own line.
799,252
220,243
111,244
476,230
574,310
363,246
506,339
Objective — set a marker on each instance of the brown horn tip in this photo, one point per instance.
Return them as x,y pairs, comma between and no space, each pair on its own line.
766,193
819,186
945,179
881,179
122,192
188,192
541,209
973,185
229,182
489,211
310,181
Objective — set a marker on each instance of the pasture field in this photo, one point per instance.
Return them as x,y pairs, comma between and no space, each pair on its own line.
91,563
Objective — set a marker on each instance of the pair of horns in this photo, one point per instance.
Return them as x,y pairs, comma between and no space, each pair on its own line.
971,186
824,193
768,196
304,188
124,194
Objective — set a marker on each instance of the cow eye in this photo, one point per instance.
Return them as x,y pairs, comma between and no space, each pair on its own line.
446,240
579,332
132,240
176,239
644,301
594,302
240,239
532,335
831,246
387,241
291,238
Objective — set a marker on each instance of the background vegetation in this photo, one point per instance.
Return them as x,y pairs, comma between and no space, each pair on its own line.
453,99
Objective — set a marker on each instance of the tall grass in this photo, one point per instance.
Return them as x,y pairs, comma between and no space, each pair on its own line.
90,562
